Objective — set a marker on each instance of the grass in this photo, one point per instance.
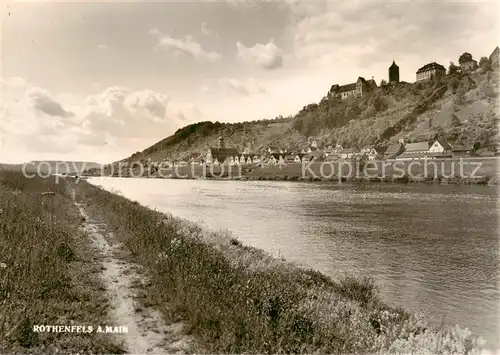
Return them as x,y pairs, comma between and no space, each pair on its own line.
48,277
238,299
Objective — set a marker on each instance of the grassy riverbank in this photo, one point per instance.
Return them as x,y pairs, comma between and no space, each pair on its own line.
47,275
239,299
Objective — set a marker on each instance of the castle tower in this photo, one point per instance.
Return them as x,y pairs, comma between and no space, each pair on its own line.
394,73
220,142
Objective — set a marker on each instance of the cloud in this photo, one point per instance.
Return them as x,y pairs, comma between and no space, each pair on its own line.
206,31
267,56
333,34
247,88
112,123
102,47
187,46
44,103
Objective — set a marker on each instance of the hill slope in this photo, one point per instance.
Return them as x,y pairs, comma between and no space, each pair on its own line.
463,108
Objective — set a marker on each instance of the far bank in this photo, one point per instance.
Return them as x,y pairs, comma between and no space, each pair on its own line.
457,171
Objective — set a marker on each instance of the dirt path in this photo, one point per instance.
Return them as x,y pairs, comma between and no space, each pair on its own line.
147,332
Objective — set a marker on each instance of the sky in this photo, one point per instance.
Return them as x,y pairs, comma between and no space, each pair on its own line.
98,81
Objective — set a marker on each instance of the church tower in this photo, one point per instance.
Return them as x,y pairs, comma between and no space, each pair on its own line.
394,73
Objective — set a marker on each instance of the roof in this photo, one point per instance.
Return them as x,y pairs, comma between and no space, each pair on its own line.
348,150
381,149
461,148
393,148
394,65
417,147
431,66
443,143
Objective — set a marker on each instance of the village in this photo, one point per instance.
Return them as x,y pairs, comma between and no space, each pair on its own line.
221,155
318,151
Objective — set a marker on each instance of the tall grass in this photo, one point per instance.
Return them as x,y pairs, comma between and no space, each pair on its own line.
239,299
43,278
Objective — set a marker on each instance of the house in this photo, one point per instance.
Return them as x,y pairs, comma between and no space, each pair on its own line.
430,71
394,73
338,148
347,153
413,151
459,150
377,153
332,157
314,156
495,57
249,160
289,159
394,150
440,146
357,89
298,158
272,160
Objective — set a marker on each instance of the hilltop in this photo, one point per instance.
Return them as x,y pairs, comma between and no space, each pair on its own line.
462,107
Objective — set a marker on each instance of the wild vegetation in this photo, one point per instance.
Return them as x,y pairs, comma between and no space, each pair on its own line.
461,107
238,299
46,276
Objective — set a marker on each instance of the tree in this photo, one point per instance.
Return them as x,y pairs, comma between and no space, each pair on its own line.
383,82
484,63
452,69
430,124
298,125
465,57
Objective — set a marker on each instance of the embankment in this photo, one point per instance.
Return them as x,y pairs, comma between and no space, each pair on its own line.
238,299
63,267
466,171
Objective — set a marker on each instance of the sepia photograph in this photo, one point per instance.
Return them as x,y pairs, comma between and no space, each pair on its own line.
249,177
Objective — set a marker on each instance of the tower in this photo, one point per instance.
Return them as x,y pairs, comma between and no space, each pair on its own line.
394,73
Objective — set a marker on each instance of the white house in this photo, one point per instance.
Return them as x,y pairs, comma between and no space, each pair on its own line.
439,146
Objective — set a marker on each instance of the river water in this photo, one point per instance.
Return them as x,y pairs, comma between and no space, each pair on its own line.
429,247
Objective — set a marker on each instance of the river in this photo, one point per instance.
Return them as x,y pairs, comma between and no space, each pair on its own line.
429,247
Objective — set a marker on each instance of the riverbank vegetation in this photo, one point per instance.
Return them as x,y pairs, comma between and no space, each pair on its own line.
47,276
238,299
235,298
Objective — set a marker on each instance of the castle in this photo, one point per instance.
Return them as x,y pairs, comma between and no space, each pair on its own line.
357,89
